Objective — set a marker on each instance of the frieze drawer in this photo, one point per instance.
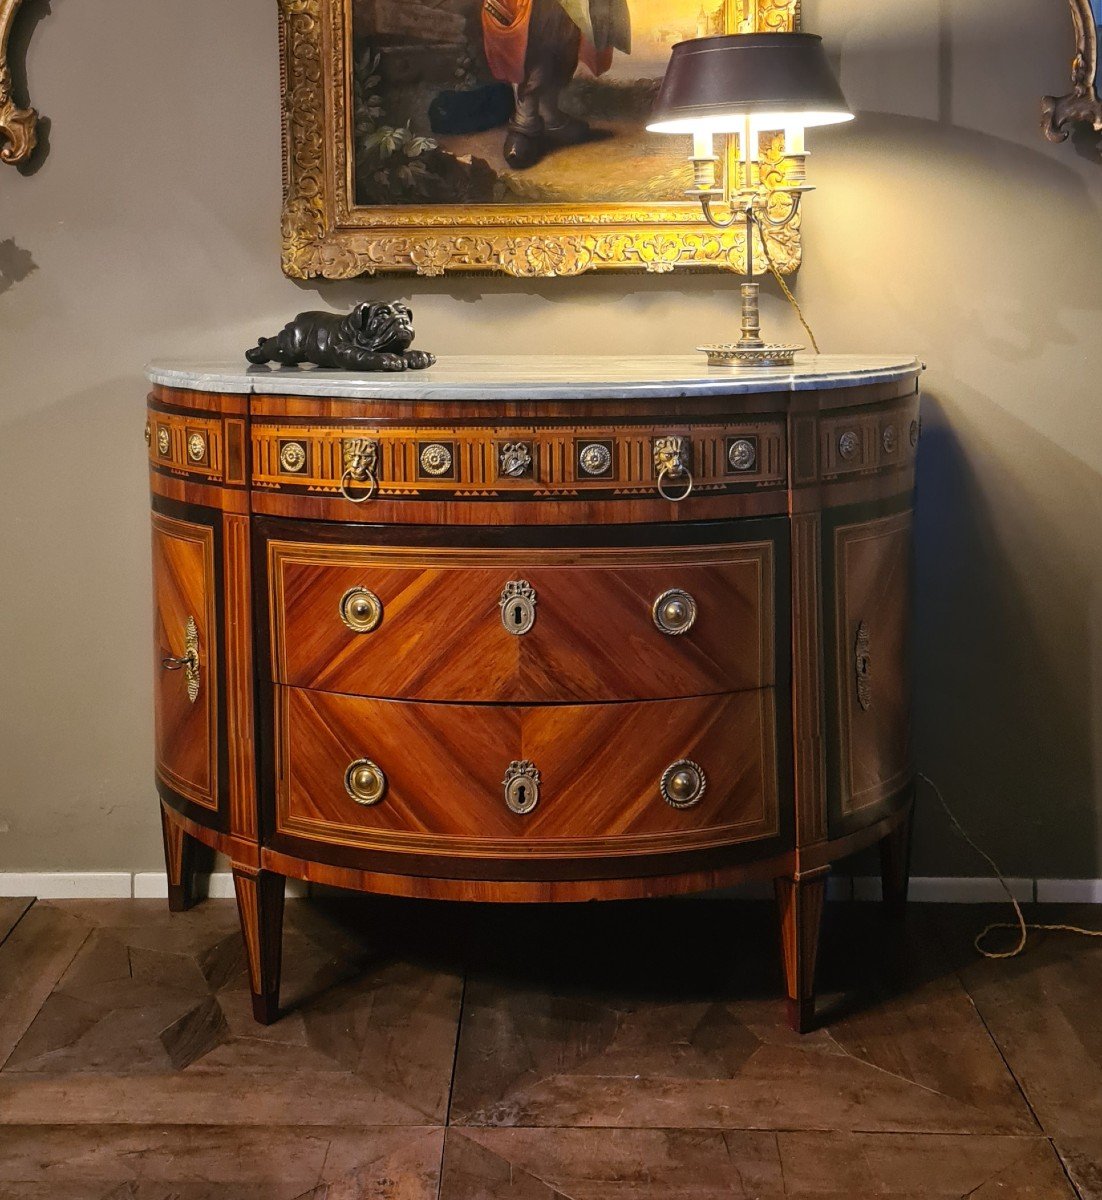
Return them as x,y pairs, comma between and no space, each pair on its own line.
530,780
532,626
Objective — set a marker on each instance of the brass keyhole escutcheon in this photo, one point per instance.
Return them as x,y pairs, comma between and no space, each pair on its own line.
522,787
674,612
862,666
361,610
518,607
189,663
365,781
683,784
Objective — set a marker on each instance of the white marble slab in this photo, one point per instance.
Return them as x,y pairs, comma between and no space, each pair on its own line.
545,377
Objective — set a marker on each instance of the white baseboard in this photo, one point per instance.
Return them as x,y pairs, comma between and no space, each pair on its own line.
933,889
957,889
115,885
1069,891
67,885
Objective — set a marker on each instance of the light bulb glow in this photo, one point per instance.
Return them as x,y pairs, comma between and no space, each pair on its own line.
702,143
733,122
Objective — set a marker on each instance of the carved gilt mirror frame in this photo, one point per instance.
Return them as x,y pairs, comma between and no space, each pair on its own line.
17,125
326,75
1082,103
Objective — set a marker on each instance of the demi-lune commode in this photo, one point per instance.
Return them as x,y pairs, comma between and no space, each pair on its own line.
533,629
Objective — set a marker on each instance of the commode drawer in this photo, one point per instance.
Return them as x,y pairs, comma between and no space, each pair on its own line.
531,626
544,781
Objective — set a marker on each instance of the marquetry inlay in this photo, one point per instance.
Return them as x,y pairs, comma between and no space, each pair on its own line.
616,460
187,445
858,441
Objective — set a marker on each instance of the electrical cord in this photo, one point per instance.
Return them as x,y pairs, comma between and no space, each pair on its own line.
1021,924
784,286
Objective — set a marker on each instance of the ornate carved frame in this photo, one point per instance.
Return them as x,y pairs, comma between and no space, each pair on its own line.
1082,103
326,234
17,125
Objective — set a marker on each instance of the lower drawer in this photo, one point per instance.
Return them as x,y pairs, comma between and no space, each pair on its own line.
555,781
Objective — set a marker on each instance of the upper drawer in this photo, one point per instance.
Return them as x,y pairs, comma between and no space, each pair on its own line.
523,626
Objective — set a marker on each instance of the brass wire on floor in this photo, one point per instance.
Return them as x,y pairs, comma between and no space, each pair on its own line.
1021,924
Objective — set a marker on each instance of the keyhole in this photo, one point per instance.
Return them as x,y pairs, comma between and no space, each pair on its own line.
518,615
520,795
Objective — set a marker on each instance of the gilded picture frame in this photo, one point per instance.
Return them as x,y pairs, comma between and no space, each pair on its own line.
18,126
1082,103
327,234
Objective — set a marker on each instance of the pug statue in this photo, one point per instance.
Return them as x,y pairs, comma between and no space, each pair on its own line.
372,337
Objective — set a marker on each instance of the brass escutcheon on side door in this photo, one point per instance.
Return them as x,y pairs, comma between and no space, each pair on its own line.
189,664
518,607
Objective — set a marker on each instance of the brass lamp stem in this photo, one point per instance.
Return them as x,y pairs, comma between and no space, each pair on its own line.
751,292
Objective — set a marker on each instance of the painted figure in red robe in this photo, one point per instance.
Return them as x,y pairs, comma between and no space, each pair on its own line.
536,45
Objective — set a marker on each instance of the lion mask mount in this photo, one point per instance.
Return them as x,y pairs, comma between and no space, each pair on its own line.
372,337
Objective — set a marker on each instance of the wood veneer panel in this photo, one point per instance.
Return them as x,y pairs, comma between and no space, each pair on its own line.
594,638
873,565
807,679
240,676
184,587
600,769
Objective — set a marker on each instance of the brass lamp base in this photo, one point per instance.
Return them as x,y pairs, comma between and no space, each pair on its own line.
733,354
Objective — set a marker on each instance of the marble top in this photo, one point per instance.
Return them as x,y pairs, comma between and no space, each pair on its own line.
547,377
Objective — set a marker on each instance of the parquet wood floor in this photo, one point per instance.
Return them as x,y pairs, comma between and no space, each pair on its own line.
443,1052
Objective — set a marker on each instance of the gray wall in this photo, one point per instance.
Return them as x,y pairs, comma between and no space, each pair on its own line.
944,225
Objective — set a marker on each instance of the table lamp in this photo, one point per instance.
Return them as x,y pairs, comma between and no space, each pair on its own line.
746,84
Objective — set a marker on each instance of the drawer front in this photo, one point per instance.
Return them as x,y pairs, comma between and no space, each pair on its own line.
443,632
184,626
600,775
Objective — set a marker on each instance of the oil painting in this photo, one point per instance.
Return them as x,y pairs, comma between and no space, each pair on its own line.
443,135
503,101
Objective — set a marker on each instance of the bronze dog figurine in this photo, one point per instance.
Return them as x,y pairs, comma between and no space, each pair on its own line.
372,337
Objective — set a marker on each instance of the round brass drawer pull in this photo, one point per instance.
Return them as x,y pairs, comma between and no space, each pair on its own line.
361,610
683,784
365,781
674,612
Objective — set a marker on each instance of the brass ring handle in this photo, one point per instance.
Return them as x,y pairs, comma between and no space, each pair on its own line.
365,781
663,474
176,664
372,485
189,664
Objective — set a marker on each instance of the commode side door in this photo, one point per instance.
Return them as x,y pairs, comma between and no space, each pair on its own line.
187,666
867,557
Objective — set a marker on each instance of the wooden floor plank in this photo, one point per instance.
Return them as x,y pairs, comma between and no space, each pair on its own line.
635,1022
152,1022
1082,1159
1042,1010
33,958
220,1163
12,908
706,1164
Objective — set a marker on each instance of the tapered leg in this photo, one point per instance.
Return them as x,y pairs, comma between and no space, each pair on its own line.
895,865
260,907
800,908
179,863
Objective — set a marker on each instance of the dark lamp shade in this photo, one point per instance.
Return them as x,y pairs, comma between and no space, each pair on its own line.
776,79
